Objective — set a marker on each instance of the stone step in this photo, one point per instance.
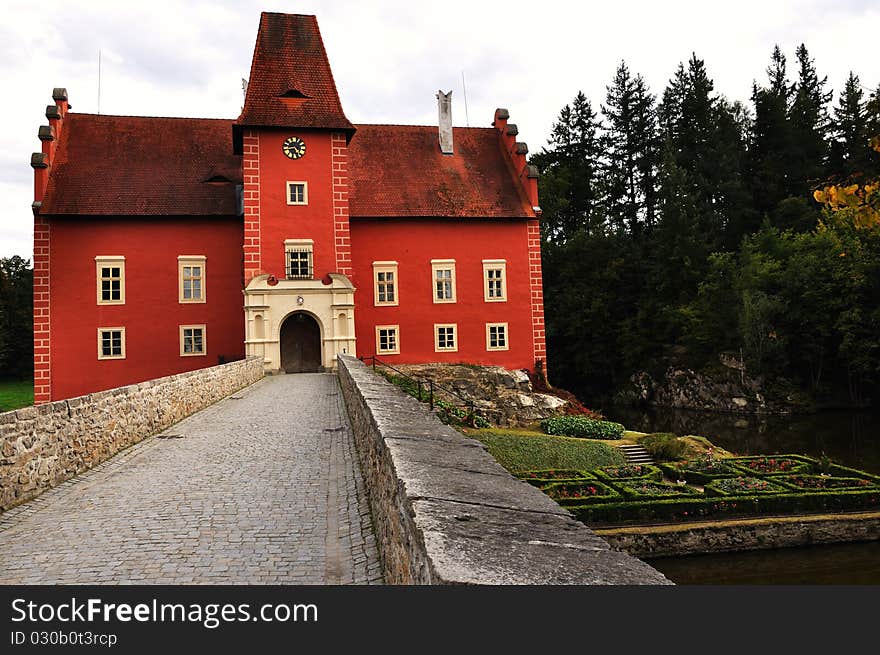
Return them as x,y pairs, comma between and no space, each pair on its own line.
636,454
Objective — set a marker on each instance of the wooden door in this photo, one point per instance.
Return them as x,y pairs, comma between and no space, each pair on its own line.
300,344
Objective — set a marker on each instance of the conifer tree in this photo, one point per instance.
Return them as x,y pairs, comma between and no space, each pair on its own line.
770,151
809,124
569,172
630,148
851,153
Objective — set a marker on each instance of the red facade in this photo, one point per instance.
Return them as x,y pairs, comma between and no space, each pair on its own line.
149,233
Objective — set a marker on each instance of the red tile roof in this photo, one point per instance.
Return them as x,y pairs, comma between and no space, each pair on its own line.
398,170
289,58
143,165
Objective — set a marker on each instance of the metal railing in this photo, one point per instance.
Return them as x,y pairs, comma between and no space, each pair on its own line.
425,389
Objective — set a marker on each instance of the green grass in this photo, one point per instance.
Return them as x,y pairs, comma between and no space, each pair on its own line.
15,394
524,450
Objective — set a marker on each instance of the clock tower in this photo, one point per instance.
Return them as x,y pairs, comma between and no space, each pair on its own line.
293,138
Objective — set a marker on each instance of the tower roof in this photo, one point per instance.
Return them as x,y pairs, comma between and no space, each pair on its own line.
291,84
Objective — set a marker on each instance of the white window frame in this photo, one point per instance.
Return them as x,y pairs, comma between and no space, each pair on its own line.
305,186
385,267
101,354
442,265
189,261
441,349
495,265
110,261
204,351
299,245
396,350
489,345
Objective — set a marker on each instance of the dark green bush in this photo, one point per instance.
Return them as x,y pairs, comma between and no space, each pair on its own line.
820,483
664,446
774,464
580,426
545,477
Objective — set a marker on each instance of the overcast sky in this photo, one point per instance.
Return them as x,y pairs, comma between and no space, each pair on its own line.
187,58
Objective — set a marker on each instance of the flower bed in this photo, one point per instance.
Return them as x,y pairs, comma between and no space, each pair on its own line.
543,478
577,493
630,471
648,489
773,464
742,486
820,483
699,471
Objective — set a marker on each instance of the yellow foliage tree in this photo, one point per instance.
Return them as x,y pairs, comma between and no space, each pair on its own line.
863,200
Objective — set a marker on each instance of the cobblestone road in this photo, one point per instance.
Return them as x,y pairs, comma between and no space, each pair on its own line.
260,488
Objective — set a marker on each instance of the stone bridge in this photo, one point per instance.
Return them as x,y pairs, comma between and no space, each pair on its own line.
291,479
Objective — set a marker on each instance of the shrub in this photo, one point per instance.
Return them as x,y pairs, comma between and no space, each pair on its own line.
664,446
552,475
579,426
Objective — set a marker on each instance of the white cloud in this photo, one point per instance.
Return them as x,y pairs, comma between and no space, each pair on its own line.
389,58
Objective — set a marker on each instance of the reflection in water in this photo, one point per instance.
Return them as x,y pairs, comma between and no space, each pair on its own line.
847,437
832,564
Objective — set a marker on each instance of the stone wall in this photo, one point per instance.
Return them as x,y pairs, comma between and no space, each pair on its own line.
749,534
445,512
45,445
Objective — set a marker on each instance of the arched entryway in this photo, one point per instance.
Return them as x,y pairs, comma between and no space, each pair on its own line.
300,344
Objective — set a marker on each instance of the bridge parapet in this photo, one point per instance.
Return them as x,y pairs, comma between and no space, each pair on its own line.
445,512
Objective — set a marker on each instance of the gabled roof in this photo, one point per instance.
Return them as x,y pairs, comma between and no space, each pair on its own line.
398,170
291,84
118,165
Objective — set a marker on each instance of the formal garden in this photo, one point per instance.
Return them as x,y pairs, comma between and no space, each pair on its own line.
691,481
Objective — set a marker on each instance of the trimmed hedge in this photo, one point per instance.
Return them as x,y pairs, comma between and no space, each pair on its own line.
629,472
561,490
554,475
685,509
580,426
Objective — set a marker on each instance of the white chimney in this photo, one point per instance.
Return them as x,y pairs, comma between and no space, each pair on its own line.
444,106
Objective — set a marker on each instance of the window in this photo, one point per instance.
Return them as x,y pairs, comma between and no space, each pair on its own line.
191,278
443,271
192,340
496,336
299,259
297,193
446,338
111,343
495,280
111,279
384,283
388,339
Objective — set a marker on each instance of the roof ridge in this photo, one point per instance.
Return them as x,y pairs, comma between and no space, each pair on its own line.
180,118
456,127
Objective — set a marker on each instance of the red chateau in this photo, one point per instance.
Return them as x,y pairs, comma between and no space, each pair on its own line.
151,235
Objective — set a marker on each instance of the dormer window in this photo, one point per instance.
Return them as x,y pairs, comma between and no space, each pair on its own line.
297,193
293,93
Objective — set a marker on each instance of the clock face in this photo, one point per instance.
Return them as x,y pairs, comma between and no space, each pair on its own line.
294,147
